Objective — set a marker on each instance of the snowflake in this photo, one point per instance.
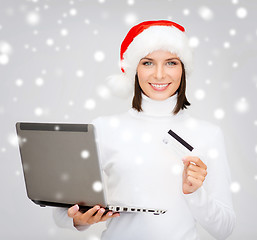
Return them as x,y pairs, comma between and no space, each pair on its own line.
242,105
235,187
241,12
193,42
90,104
130,19
99,56
33,18
97,186
199,94
85,154
219,113
205,13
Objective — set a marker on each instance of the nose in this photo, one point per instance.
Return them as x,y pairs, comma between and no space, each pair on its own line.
159,72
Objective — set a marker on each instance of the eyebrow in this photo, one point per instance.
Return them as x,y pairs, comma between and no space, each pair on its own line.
165,60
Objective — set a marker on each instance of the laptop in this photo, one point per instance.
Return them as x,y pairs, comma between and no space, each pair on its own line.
61,167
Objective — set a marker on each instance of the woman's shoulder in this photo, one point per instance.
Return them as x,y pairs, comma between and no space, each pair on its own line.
112,120
201,125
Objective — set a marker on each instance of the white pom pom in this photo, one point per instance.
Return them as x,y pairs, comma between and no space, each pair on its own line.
120,85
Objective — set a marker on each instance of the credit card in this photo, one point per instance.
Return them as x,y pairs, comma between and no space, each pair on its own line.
179,146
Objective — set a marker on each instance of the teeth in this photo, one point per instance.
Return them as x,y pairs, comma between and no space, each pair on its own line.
159,86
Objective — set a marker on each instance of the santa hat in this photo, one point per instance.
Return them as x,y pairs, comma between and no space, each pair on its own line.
143,39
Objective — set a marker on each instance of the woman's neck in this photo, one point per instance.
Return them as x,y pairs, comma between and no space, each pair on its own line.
156,108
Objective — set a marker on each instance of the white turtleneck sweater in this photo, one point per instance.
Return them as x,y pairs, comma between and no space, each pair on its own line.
141,170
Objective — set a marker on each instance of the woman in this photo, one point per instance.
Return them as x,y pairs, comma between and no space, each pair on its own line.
140,169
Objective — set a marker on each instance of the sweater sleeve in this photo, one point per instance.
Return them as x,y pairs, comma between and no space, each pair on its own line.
211,205
62,219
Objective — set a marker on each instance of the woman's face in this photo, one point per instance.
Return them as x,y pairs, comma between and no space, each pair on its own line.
159,74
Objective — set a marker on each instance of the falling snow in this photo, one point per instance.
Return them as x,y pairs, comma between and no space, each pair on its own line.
85,154
99,56
199,94
38,111
205,13
241,12
90,104
73,12
64,32
194,42
29,79
49,42
97,186
33,18
39,82
219,113
80,73
130,19
4,59
186,12
103,92
19,82
131,2
13,140
232,32
213,153
235,187
242,105
177,169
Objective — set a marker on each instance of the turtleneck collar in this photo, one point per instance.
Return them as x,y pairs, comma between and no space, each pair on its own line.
156,108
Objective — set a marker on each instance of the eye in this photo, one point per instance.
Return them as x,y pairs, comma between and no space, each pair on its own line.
147,63
171,63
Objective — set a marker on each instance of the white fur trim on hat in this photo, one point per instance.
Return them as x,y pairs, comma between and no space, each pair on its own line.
120,85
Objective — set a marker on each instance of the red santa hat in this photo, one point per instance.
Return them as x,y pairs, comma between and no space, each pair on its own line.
143,39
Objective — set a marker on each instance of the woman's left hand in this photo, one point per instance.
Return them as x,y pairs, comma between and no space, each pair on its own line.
194,174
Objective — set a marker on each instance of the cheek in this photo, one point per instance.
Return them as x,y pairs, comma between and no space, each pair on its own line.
143,78
176,75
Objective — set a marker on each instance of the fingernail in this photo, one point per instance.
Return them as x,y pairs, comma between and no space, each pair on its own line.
102,210
110,213
75,208
97,207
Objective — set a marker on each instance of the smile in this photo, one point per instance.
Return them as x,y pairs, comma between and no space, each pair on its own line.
159,87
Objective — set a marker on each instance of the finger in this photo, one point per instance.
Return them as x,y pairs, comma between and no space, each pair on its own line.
195,168
186,164
109,215
72,211
196,175
88,214
115,215
195,160
98,216
106,216
195,182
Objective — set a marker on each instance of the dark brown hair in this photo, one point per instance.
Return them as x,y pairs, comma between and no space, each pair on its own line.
182,101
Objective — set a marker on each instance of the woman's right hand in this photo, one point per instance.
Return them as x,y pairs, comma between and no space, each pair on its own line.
93,215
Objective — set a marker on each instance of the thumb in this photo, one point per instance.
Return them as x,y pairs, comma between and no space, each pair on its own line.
73,210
